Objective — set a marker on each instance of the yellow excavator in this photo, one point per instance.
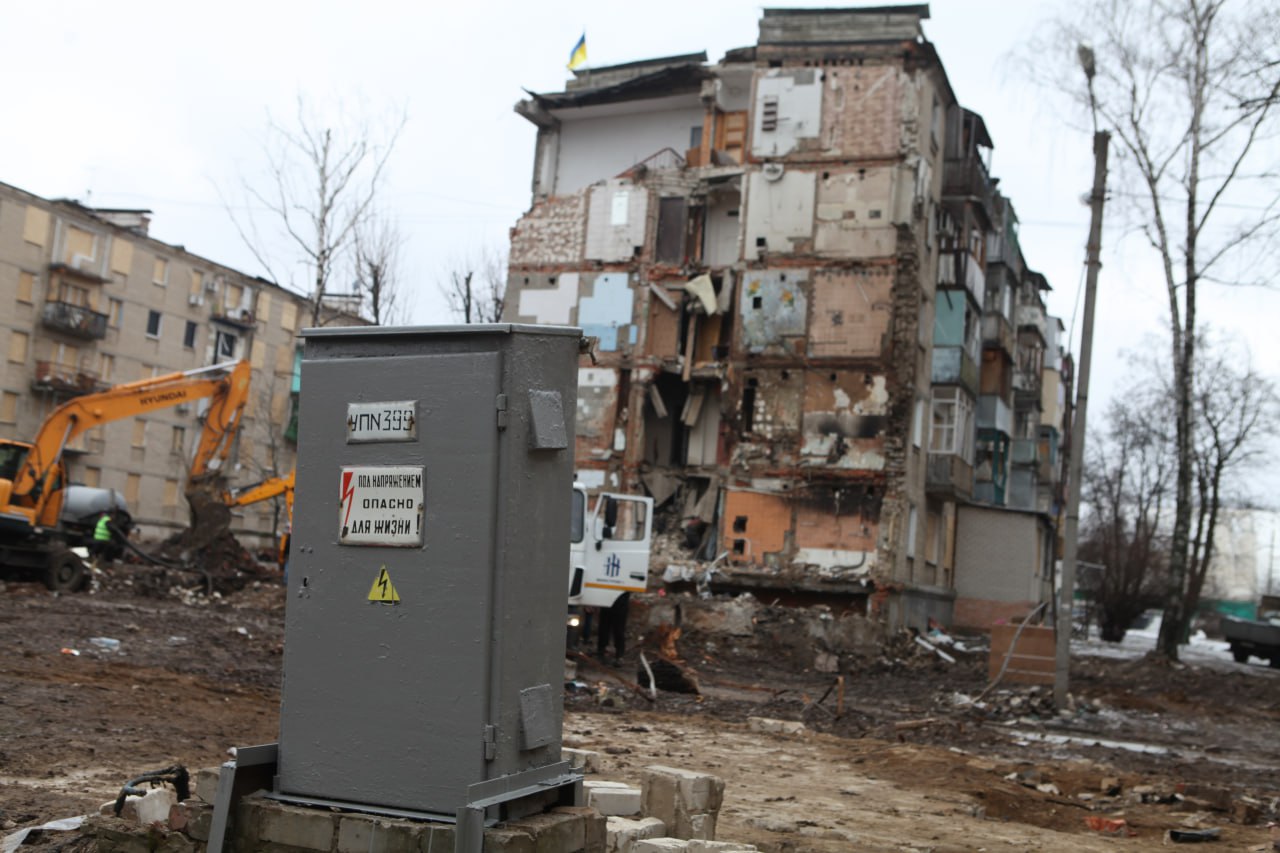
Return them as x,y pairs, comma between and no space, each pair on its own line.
34,534
269,488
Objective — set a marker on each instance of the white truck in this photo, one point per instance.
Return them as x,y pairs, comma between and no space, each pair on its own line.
608,548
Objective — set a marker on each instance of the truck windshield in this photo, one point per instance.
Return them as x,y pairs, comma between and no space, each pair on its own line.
577,519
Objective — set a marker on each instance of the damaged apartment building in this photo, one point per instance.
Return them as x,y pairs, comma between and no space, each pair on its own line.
815,334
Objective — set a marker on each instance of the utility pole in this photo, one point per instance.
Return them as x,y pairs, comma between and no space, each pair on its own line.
1066,596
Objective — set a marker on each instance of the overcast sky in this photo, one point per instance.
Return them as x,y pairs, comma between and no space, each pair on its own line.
163,105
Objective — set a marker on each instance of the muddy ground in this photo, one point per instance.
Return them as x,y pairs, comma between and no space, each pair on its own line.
901,762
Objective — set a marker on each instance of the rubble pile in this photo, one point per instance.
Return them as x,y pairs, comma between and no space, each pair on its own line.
209,548
1030,703
910,651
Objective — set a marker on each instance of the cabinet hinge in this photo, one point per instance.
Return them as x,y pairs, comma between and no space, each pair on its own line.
490,743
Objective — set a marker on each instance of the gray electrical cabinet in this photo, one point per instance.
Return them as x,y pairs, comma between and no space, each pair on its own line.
424,630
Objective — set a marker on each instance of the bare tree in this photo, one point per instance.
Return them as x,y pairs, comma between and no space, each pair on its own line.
1190,91
475,289
1237,411
377,261
1127,485
320,185
1131,478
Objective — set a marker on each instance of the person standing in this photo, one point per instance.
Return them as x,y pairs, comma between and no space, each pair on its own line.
102,534
613,625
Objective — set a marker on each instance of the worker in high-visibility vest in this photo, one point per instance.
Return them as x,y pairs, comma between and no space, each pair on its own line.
102,533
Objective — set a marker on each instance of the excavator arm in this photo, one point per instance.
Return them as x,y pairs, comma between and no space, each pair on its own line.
226,385
267,489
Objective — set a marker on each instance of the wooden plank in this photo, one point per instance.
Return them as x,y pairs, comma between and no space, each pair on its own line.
1033,660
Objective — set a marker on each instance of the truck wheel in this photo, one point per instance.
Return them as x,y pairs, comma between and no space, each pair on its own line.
65,573
1240,655
1275,661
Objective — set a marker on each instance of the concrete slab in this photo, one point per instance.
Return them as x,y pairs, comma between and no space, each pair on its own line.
686,801
777,727
623,833
145,810
612,798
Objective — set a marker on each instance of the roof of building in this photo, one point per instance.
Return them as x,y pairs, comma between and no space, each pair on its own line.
103,215
858,24
667,75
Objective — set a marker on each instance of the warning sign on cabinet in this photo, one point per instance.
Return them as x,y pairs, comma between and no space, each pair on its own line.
382,505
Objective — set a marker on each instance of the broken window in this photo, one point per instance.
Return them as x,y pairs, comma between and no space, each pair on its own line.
749,407
672,218
224,346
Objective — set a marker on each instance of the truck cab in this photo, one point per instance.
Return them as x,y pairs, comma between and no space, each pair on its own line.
608,547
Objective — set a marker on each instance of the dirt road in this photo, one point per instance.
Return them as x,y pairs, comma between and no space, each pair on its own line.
902,767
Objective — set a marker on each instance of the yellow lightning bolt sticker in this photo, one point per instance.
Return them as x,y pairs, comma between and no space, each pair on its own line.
383,590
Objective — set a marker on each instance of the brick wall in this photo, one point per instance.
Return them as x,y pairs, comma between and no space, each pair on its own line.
755,525
553,232
862,110
851,312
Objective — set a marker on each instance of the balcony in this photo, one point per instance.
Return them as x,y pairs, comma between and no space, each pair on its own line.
241,318
961,269
75,320
996,332
948,475
1032,317
953,366
994,414
966,177
66,381
1023,491
1024,451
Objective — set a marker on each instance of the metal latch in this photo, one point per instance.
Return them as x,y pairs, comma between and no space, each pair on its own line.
502,411
490,743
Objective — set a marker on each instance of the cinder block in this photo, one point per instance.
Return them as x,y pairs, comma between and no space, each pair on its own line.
193,818
622,800
310,829
437,837
119,836
583,759
505,841
594,831
368,834
553,832
624,832
660,845
777,727
176,842
206,784
699,846
145,810
687,802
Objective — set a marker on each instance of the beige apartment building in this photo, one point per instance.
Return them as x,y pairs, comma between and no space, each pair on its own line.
90,300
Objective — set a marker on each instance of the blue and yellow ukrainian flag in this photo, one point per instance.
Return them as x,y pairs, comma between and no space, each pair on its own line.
578,56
